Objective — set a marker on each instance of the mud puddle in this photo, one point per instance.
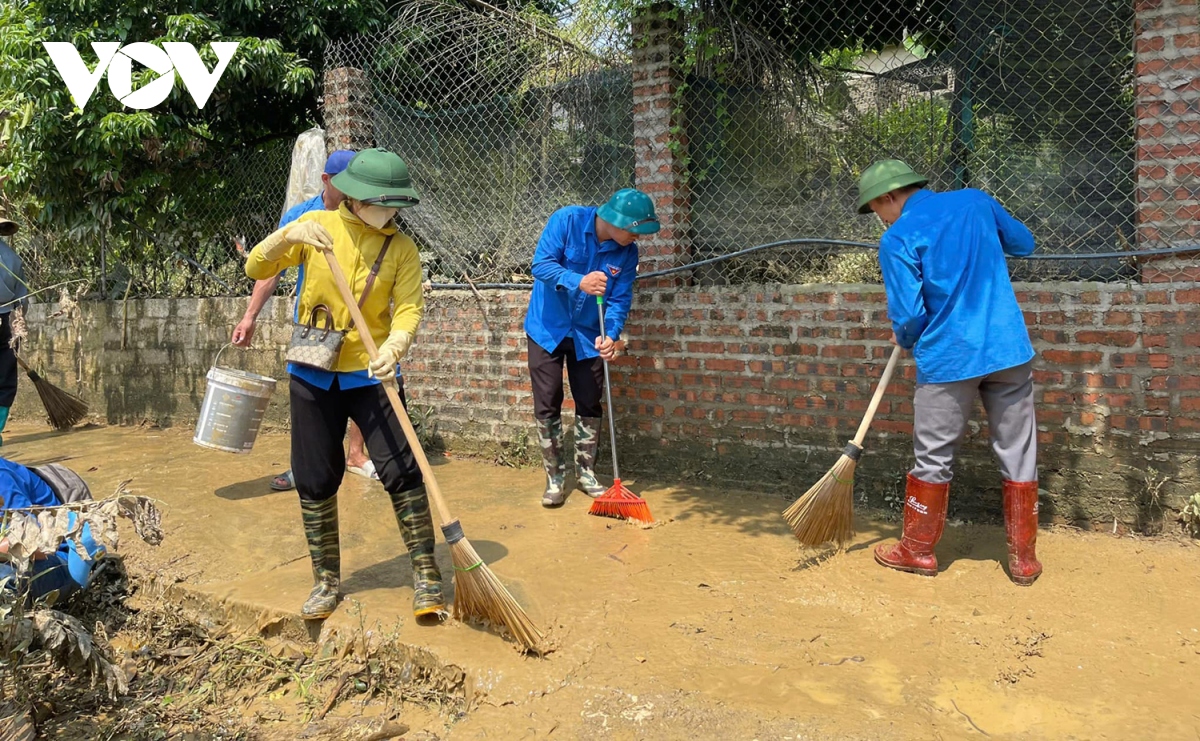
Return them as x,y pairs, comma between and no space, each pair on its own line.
713,624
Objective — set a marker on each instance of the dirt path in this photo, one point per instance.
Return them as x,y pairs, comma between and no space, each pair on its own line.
713,624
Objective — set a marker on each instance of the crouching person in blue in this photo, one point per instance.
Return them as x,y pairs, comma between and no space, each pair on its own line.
584,253
64,570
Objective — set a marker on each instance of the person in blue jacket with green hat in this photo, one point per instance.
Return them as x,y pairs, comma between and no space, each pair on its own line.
951,302
584,253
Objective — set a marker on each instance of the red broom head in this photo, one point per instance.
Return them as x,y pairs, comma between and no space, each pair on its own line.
622,504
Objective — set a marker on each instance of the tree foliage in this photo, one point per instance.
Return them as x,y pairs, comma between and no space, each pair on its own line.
74,168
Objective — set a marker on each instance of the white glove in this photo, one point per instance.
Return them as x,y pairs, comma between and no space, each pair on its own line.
391,351
297,232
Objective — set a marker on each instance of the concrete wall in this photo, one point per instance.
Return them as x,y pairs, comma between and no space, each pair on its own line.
759,386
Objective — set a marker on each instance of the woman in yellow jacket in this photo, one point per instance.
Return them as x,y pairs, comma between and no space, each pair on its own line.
376,184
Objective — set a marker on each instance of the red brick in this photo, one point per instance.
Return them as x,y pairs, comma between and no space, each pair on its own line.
731,366
843,351
1112,339
1180,382
1118,319
1189,403
1150,44
1072,357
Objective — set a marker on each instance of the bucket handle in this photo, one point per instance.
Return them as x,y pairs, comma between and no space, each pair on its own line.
217,360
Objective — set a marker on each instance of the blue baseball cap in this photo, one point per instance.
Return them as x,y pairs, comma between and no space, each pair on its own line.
338,160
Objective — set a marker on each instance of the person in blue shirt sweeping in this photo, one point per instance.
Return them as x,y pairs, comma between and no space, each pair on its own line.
584,252
951,302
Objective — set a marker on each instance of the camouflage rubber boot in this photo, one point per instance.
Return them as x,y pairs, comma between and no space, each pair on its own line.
550,435
416,527
321,531
587,440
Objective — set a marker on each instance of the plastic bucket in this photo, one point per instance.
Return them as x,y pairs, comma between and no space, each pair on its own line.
233,408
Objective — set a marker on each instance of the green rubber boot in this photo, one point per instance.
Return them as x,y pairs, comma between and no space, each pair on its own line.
321,531
416,528
3,422
587,441
550,435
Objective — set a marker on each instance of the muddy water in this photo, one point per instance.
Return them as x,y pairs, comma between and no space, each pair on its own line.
713,624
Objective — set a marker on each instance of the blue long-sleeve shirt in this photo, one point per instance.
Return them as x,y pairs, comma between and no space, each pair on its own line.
567,251
949,296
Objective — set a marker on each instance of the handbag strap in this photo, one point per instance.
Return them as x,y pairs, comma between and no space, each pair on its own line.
371,277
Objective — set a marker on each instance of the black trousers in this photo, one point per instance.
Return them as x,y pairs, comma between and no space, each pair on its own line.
8,363
546,376
319,424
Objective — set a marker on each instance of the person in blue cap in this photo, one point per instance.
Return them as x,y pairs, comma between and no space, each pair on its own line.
357,460
64,570
951,302
584,252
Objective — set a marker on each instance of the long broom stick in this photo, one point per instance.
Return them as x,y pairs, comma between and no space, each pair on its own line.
826,511
478,594
618,501
64,410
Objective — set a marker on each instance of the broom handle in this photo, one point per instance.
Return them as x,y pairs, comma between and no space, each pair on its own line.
435,493
878,397
612,425
21,363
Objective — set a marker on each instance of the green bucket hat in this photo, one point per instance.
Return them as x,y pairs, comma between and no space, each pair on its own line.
631,210
377,177
883,177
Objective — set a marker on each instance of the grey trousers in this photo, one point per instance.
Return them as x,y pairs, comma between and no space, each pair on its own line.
941,412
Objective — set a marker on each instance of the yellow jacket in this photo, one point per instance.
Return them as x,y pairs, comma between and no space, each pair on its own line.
395,302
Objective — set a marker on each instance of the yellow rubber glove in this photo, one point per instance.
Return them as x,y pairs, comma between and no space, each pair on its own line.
391,351
281,240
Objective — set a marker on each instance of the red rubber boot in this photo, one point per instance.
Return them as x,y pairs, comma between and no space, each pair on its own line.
924,520
1021,525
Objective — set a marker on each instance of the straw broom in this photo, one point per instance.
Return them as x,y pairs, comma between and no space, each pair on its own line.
478,594
63,409
826,511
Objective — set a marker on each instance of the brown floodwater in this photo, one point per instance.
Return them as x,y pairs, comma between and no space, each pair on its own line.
714,623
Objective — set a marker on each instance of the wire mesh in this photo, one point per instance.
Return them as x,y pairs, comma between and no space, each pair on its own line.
187,251
505,117
501,119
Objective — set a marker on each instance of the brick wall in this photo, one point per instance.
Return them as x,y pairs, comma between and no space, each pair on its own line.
760,388
1167,68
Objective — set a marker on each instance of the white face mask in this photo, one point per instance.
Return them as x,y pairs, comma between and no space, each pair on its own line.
376,216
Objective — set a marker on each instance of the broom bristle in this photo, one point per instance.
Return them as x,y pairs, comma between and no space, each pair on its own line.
62,409
826,511
622,504
479,595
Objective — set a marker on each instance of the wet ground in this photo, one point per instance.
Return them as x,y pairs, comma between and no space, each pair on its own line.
714,624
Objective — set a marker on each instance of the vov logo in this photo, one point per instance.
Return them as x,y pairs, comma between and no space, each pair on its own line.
117,60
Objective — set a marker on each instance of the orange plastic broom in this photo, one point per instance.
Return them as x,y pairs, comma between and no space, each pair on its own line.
618,501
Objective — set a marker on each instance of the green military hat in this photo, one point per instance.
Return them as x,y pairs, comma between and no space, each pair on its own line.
377,177
631,210
883,177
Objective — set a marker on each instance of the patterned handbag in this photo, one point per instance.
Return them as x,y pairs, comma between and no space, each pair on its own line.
318,347
313,346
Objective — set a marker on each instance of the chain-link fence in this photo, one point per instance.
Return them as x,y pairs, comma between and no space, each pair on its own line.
502,120
187,251
505,117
